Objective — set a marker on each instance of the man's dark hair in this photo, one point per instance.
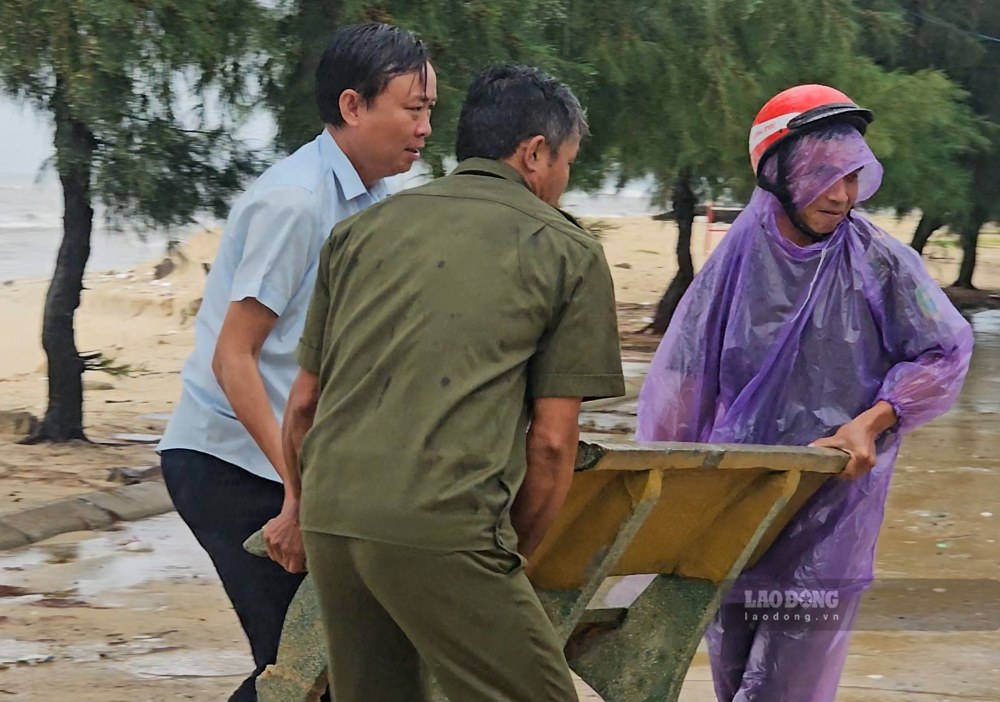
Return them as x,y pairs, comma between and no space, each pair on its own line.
508,104
365,57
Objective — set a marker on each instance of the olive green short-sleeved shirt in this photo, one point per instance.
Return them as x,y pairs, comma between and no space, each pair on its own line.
438,316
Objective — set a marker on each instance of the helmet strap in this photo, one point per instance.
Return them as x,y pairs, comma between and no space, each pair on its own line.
815,237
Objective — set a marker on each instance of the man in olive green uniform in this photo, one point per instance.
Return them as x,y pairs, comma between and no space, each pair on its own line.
454,330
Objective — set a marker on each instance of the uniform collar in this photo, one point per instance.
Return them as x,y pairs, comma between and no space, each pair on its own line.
334,159
499,169
491,167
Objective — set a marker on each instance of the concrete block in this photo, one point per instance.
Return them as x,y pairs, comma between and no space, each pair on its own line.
132,502
92,515
46,521
11,537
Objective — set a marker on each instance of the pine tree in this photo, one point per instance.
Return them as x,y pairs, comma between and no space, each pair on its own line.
114,76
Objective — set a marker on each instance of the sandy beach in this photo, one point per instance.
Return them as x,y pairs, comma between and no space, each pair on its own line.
143,319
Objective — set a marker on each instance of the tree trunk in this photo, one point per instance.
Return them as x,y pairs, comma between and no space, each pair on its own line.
970,240
74,152
684,201
925,228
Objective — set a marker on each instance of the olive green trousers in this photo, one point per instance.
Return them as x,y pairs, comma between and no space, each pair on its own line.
469,618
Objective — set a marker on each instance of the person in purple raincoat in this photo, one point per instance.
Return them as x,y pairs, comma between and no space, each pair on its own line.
809,325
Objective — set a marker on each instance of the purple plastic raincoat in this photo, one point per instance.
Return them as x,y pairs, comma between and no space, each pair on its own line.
779,344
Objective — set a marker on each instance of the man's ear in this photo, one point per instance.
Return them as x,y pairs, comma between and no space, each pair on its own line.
533,150
350,107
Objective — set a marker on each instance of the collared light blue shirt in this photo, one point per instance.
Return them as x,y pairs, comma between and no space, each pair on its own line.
269,251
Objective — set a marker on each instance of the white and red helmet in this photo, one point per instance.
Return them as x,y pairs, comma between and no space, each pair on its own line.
799,108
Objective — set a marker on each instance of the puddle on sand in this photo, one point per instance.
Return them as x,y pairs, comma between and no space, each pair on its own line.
144,659
13,652
160,548
187,664
981,394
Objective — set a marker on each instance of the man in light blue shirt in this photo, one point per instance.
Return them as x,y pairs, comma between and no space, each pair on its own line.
221,454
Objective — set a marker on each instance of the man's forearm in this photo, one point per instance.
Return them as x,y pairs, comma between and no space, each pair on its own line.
293,430
546,483
240,380
296,423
